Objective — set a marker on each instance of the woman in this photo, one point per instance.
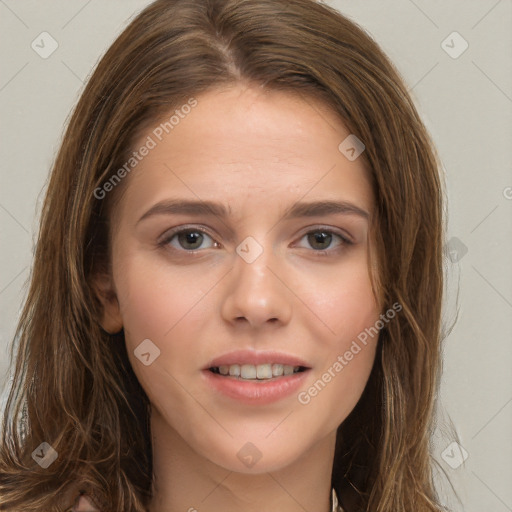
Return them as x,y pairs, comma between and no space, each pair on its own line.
236,292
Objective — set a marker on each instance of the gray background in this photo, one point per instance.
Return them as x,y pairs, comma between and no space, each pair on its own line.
466,103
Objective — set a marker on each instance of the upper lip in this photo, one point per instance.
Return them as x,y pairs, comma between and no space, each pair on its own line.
255,358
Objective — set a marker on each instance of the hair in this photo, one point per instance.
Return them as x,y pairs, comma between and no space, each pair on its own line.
73,386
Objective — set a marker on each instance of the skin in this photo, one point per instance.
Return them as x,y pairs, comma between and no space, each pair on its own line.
258,153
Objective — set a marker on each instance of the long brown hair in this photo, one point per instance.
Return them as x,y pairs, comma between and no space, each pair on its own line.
73,386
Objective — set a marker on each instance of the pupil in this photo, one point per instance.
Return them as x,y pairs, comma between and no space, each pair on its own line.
321,237
190,237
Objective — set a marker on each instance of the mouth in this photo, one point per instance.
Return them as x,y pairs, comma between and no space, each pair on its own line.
255,377
257,373
255,384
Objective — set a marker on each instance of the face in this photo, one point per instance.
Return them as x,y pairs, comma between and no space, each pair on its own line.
251,280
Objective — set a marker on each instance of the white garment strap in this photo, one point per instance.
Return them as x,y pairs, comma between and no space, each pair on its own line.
336,507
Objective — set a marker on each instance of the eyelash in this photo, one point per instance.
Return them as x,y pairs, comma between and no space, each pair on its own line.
344,241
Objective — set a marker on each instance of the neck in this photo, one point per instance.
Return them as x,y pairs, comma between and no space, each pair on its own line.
186,481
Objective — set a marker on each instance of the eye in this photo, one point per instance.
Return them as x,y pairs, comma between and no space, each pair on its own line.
192,239
187,239
321,239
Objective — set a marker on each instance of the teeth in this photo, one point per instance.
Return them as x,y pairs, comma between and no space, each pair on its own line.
223,370
264,371
234,370
277,370
248,371
257,372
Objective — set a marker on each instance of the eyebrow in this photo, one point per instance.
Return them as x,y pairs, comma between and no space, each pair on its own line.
210,208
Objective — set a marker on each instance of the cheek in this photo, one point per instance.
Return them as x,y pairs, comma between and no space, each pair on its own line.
346,340
169,308
154,300
342,299
347,357
165,308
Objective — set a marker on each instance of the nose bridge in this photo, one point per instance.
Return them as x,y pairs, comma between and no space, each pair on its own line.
256,294
252,251
251,266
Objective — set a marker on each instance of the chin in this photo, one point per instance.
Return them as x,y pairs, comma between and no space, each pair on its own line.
254,457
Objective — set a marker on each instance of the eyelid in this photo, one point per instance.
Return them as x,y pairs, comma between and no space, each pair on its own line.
167,235
164,239
330,229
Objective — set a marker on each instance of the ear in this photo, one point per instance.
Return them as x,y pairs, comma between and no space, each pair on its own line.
111,320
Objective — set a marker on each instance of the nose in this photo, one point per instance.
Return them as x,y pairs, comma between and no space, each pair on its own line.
257,293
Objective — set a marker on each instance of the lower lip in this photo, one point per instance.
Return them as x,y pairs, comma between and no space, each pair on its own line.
255,393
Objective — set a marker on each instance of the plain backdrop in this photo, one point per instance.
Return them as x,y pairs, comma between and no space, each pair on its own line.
456,58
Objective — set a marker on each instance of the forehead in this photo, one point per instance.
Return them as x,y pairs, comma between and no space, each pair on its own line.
247,145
